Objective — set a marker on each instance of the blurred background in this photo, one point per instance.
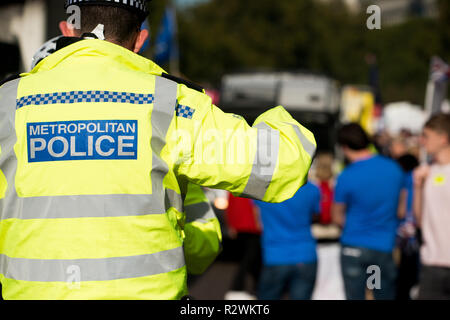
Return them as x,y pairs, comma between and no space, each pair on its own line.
254,54
317,58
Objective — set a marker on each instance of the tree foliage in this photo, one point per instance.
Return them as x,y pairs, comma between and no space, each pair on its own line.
223,36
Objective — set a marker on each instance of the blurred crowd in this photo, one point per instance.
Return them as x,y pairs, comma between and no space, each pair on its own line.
384,198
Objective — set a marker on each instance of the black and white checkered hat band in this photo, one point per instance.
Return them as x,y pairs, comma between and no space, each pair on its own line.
139,5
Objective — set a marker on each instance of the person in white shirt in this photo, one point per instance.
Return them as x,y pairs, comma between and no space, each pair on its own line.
432,209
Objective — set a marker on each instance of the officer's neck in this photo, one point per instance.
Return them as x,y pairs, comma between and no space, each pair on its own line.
130,44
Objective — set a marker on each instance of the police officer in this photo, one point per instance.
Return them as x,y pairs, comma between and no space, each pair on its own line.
200,227
97,149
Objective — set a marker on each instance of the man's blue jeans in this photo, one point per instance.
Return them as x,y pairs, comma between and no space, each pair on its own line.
357,267
299,279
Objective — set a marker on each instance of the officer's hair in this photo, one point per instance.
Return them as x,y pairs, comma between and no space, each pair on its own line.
353,136
121,25
440,123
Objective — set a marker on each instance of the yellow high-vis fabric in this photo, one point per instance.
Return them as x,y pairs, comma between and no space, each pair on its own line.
268,161
202,230
97,152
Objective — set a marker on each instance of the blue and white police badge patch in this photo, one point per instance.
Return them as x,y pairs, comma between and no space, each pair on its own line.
82,140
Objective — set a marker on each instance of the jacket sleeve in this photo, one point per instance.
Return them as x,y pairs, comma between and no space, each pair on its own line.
203,237
269,161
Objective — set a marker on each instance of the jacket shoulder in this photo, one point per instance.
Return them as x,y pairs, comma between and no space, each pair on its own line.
187,83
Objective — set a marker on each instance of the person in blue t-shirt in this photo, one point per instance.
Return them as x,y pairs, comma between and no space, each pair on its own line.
289,249
368,195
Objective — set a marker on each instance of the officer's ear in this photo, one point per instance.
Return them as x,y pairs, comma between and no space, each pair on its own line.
67,29
140,40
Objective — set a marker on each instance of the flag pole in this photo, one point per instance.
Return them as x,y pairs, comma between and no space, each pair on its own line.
429,98
436,91
174,63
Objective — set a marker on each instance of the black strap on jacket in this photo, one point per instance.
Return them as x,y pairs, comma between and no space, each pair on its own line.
187,83
66,41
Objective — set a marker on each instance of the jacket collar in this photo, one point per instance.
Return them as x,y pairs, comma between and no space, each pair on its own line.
100,48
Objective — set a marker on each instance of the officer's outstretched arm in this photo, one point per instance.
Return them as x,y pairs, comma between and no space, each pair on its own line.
203,237
269,161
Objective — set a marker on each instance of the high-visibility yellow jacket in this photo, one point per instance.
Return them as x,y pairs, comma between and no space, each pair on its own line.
203,236
97,150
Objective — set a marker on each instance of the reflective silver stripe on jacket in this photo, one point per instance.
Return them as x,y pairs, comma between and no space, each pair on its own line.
86,206
90,206
309,147
166,92
8,138
199,212
265,162
47,270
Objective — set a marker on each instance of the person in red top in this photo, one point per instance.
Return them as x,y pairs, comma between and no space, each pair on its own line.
326,202
244,224
324,175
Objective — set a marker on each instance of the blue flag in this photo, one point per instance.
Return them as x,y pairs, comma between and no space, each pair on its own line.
166,48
